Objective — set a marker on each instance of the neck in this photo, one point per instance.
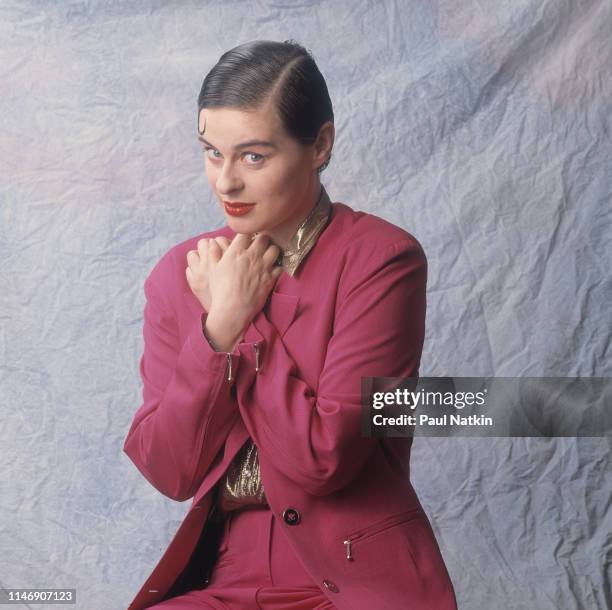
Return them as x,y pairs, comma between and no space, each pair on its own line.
312,197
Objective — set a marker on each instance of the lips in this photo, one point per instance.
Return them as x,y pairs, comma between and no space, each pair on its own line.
237,208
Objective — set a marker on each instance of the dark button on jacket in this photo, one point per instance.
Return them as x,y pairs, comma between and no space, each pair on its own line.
291,516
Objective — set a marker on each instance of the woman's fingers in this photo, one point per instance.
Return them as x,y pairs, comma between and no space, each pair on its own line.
209,247
259,244
270,255
264,247
276,271
189,275
240,242
193,257
214,248
215,251
203,247
223,242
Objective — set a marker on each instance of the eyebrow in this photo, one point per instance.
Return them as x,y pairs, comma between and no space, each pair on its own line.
243,144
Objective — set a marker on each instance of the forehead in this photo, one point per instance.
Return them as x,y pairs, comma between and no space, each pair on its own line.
229,125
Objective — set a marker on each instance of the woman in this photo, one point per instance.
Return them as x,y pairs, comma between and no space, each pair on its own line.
256,339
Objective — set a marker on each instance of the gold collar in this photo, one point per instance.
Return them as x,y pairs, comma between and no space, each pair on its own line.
306,234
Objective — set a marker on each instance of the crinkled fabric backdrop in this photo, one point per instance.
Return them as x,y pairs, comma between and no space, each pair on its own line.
481,127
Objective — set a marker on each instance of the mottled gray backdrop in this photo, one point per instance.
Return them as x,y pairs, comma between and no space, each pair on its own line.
481,127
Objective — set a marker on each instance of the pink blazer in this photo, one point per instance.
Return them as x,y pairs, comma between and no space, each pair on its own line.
355,307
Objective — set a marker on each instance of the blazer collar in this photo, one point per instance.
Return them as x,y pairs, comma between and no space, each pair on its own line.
307,234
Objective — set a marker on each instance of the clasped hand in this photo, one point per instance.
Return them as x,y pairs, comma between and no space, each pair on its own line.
232,280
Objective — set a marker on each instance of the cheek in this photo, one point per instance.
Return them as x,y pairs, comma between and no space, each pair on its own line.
263,185
283,181
297,174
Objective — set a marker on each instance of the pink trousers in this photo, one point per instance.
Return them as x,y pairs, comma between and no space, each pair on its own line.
256,569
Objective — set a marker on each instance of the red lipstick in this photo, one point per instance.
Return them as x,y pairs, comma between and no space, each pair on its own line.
237,208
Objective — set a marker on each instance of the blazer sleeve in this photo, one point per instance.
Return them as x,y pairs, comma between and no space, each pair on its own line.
188,404
313,435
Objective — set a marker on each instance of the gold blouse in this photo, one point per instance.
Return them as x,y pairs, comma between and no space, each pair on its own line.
241,485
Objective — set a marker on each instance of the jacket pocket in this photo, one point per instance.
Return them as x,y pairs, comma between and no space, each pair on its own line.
357,536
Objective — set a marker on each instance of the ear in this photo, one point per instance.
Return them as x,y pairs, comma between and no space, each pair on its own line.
324,143
202,121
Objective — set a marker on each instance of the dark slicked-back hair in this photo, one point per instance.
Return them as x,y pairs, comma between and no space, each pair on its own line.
284,73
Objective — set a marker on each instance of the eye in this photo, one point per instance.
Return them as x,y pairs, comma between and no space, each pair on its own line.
207,148
255,158
255,161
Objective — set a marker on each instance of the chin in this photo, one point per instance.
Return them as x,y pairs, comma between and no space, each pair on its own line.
240,225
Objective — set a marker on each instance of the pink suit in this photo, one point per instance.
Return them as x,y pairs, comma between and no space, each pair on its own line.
355,308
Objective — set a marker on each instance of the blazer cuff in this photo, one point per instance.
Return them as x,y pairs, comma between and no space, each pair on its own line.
204,352
258,340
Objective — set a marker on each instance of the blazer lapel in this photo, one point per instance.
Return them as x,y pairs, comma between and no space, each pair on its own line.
281,310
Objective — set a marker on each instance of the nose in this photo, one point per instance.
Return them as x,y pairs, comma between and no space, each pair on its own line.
228,179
